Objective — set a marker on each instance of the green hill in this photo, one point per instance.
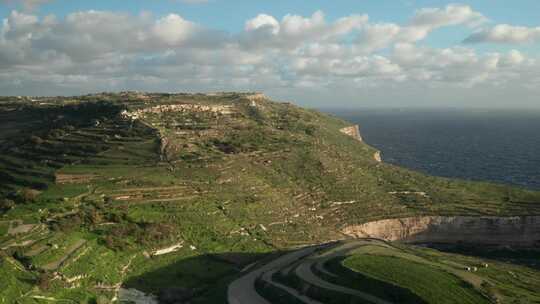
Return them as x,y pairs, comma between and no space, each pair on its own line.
175,194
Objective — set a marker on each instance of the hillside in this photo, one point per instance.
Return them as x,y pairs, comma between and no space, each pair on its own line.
374,271
175,194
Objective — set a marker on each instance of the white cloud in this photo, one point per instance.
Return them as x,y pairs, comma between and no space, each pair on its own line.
294,25
173,29
263,22
452,14
504,33
513,58
293,31
458,65
102,50
381,35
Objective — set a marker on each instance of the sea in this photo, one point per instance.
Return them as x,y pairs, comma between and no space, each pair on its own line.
501,146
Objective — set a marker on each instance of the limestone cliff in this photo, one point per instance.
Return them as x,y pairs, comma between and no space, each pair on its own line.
518,230
377,156
353,131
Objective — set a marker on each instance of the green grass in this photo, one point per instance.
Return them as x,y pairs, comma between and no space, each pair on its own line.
512,273
15,281
99,264
60,245
4,227
431,284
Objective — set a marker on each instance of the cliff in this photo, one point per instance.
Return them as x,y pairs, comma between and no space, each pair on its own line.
492,230
377,156
353,131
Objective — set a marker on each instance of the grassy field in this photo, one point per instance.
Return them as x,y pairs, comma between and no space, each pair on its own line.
429,283
373,271
102,191
440,277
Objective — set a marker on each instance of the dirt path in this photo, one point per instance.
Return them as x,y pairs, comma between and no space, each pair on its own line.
151,189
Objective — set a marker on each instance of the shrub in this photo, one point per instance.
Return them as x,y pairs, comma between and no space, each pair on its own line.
36,140
116,243
27,195
44,281
6,204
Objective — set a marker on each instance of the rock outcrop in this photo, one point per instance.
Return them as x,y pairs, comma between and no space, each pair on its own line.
514,231
353,131
377,156
256,97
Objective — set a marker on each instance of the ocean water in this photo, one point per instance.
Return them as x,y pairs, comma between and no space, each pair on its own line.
501,146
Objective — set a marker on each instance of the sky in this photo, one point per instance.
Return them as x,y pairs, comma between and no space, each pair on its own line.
317,53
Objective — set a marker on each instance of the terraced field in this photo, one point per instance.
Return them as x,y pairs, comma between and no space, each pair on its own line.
173,196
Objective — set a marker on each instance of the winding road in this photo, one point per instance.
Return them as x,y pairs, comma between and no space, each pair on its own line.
243,291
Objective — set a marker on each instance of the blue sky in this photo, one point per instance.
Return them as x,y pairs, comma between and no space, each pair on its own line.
231,14
424,50
523,12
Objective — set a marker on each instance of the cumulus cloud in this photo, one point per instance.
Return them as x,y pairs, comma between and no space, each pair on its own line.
173,29
452,14
263,22
504,33
381,35
265,31
102,50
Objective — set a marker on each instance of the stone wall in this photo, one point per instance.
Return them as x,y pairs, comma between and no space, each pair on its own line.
516,231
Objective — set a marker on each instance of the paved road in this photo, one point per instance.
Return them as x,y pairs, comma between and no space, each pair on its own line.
267,277
304,272
242,291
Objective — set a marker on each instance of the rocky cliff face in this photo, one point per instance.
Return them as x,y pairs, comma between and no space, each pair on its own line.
377,156
353,131
515,231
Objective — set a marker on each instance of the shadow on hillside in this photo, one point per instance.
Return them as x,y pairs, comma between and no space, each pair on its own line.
198,279
205,278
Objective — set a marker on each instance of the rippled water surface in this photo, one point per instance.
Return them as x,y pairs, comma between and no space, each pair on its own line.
500,146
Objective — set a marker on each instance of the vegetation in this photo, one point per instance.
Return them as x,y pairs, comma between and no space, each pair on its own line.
372,271
92,194
431,284
439,277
